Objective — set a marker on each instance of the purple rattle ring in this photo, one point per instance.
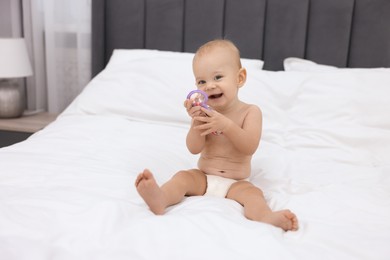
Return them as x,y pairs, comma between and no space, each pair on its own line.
198,98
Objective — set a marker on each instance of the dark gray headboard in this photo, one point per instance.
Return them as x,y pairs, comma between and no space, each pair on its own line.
344,33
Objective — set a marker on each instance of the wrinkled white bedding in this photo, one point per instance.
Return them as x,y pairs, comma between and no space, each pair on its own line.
67,192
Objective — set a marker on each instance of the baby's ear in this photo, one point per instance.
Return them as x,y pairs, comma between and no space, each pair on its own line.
241,77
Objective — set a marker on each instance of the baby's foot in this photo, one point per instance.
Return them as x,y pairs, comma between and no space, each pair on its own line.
284,219
151,193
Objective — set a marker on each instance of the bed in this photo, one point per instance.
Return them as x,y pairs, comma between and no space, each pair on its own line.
318,69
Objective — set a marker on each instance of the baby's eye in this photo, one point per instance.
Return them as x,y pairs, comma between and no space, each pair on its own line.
201,82
218,77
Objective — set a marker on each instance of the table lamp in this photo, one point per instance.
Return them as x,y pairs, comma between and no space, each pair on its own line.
14,64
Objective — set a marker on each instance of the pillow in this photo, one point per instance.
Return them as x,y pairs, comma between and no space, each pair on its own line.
298,64
303,96
147,85
336,114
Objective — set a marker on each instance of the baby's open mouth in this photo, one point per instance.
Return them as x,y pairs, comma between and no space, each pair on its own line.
215,96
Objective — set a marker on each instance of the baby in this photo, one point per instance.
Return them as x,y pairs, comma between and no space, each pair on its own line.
225,136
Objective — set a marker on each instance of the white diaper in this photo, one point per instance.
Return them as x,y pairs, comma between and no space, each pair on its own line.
218,186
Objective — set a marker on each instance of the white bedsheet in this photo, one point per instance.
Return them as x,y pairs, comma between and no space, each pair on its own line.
68,191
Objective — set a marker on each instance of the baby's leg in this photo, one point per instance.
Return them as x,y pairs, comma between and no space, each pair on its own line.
256,208
183,183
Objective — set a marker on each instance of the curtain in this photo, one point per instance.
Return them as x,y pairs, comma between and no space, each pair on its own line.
58,34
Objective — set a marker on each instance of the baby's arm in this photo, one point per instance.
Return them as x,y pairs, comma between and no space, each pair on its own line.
245,138
194,141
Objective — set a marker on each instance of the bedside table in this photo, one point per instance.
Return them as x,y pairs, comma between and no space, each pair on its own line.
18,129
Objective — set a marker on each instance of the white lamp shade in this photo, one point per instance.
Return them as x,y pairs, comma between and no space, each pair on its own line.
14,60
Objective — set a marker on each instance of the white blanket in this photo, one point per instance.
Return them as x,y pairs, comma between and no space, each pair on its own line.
68,191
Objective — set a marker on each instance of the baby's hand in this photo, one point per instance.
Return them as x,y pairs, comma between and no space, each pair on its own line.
213,122
193,111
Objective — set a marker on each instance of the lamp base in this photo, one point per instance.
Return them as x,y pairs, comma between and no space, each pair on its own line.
11,100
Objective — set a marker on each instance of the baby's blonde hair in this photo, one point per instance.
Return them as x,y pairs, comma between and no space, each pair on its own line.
223,43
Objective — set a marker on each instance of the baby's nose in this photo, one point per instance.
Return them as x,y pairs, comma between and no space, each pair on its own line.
210,86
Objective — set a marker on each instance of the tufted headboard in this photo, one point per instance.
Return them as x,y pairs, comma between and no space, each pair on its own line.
343,33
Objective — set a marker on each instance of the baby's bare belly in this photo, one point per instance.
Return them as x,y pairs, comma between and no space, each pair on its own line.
226,167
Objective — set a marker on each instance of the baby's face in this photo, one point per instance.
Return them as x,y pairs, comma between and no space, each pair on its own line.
217,73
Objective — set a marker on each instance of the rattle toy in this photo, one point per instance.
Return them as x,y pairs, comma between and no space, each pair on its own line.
199,98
